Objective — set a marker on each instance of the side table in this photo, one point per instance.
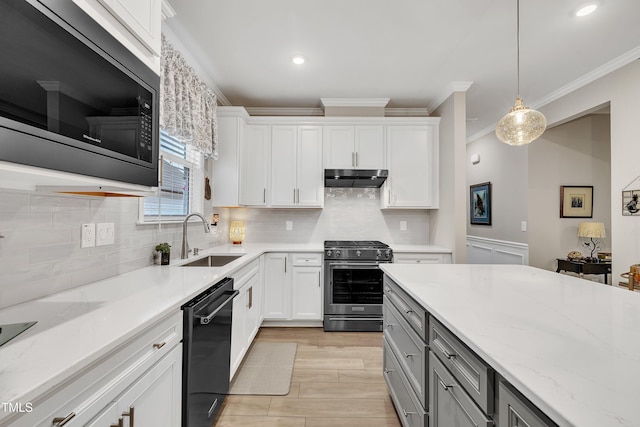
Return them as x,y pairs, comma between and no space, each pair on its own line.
583,268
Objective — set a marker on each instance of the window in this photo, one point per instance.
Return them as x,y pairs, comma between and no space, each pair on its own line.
180,191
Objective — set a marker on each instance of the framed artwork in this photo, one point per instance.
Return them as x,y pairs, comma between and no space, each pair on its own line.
576,201
480,203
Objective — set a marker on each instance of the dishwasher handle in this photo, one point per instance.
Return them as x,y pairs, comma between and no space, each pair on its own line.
204,320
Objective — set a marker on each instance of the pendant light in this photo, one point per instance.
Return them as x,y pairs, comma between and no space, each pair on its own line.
521,125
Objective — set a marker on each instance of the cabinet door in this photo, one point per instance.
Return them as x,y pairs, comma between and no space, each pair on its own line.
339,151
369,147
155,399
283,165
141,18
252,307
226,183
277,286
238,330
448,403
516,412
307,293
413,170
310,175
255,157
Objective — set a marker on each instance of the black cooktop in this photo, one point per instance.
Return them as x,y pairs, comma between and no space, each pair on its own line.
355,244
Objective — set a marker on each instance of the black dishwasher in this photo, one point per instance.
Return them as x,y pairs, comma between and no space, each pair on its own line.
206,353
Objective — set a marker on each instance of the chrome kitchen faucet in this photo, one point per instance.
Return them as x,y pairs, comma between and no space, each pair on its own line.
185,246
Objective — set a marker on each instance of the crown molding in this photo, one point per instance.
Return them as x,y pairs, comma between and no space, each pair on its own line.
406,112
284,111
460,86
609,67
354,102
166,11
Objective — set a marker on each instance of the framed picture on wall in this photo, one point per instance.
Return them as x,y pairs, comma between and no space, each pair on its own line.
576,201
480,203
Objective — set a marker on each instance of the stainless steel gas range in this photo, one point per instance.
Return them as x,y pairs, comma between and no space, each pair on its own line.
353,284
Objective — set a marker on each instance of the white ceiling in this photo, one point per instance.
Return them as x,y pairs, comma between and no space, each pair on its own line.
410,51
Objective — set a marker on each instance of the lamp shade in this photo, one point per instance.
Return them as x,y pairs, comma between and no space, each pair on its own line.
591,229
236,232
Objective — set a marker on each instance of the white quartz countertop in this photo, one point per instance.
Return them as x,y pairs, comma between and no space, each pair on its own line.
77,327
571,346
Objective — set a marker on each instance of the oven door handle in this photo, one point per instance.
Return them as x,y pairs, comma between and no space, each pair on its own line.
351,264
355,318
204,320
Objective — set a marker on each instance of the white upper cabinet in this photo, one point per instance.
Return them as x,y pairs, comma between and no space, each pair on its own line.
232,129
134,23
297,178
255,157
412,159
354,147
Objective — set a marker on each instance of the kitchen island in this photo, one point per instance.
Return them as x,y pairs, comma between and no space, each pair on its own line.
568,345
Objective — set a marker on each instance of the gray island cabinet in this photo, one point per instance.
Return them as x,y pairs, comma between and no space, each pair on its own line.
498,345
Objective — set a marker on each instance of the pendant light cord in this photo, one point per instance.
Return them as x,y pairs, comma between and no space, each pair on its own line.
518,43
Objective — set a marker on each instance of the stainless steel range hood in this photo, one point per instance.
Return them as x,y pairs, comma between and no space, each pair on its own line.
358,178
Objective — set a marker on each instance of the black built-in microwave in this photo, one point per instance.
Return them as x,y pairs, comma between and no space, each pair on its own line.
72,98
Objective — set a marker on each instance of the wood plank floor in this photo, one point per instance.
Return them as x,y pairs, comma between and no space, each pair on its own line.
337,381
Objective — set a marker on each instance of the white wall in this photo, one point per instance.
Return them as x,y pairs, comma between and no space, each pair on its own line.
574,153
349,213
447,226
506,168
622,89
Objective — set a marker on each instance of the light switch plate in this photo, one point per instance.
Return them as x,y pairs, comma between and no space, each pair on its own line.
88,235
288,225
403,225
523,226
105,233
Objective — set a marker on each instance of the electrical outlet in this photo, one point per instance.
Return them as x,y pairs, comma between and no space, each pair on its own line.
523,226
403,225
105,233
288,225
88,235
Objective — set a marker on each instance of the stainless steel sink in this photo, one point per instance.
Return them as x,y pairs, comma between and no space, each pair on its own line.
212,261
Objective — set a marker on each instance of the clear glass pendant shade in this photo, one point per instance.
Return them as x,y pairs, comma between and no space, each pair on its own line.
521,126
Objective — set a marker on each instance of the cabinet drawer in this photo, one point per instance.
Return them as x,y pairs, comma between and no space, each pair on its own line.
514,410
474,375
242,276
419,258
409,410
450,404
409,349
411,311
306,259
91,390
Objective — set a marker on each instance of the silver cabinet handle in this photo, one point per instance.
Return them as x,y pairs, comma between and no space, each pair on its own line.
406,414
129,414
285,264
264,195
447,354
390,325
250,297
408,310
444,386
407,355
353,161
387,370
356,159
294,196
59,422
120,423
318,279
160,345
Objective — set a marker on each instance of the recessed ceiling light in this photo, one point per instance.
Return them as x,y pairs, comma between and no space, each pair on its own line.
586,10
298,60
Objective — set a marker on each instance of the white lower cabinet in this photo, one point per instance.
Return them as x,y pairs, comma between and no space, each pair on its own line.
247,312
144,373
293,286
153,400
421,258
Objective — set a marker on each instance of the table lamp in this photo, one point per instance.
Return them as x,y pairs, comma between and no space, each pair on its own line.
236,232
591,230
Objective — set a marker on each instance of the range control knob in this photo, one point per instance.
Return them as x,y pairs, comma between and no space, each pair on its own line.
378,253
387,254
337,253
358,253
329,253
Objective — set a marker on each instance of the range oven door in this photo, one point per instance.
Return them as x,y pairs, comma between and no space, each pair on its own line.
353,288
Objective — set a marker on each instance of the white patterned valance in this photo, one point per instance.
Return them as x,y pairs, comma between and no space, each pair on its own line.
187,105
